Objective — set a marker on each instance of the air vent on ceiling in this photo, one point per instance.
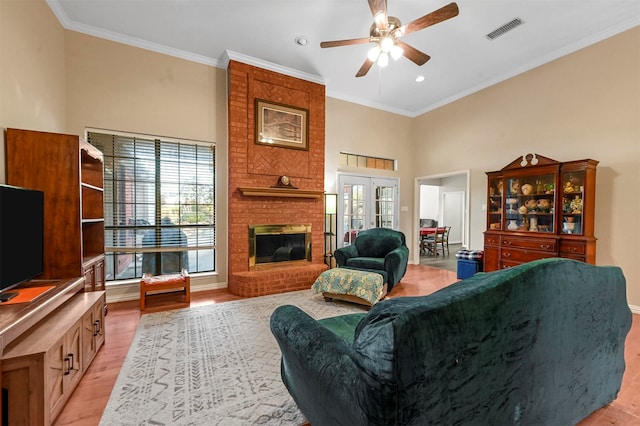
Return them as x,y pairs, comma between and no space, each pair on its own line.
505,28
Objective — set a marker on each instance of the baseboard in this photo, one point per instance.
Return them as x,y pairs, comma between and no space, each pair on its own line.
130,290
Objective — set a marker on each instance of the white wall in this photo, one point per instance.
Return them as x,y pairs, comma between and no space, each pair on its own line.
429,202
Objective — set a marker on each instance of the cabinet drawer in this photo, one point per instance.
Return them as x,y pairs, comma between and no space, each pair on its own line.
505,264
573,247
492,240
515,255
542,244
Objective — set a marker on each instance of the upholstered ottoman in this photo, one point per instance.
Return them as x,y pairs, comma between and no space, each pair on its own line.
351,285
469,262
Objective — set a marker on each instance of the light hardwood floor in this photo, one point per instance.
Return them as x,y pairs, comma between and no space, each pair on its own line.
90,397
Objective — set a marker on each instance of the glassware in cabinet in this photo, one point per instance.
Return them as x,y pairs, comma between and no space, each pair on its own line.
494,203
572,202
530,203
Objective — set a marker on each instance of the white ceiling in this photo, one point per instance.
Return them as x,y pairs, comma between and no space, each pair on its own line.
262,33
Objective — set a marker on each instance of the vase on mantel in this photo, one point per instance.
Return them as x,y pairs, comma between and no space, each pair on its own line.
512,226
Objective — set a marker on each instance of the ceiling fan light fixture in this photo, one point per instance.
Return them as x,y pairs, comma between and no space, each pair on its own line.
383,60
396,52
386,44
386,31
373,53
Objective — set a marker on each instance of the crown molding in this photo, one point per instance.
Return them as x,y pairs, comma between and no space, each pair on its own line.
239,57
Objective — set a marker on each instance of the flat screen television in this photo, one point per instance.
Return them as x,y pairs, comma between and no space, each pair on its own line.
21,237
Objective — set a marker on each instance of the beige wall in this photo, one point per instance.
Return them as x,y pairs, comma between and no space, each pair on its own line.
32,69
584,105
115,86
361,130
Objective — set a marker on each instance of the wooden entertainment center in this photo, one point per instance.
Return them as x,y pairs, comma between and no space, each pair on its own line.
47,343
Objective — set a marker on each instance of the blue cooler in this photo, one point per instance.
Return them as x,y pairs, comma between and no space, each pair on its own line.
469,262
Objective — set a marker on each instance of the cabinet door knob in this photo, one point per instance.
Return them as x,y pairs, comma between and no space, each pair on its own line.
506,254
507,243
545,246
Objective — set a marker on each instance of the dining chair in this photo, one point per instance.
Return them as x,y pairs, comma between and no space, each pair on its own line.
444,239
431,241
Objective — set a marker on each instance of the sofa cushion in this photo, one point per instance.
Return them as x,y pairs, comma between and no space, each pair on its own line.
343,325
366,263
377,244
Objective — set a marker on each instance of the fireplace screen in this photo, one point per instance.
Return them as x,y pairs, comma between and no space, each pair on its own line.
279,243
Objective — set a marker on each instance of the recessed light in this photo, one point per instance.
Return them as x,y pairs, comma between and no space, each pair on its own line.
301,40
420,79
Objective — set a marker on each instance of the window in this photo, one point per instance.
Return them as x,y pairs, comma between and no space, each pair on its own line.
159,199
363,161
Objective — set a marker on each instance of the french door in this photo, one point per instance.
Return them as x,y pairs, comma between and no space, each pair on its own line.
365,202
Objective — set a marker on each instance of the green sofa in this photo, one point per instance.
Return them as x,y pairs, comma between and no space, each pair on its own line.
538,344
377,249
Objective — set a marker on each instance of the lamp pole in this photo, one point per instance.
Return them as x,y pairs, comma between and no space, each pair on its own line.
330,210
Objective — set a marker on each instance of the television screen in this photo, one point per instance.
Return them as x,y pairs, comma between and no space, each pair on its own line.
21,236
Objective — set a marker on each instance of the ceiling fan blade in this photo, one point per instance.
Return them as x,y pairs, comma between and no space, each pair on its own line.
442,14
364,69
413,54
379,11
349,42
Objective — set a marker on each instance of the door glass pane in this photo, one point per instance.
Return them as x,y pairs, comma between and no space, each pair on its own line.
384,206
353,209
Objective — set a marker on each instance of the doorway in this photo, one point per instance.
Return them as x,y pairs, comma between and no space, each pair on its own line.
365,202
445,197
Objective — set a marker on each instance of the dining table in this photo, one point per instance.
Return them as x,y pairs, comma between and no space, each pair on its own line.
428,231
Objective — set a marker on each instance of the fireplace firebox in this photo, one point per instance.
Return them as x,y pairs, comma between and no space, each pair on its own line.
272,244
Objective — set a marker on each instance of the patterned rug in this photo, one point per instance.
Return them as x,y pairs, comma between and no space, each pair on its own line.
216,365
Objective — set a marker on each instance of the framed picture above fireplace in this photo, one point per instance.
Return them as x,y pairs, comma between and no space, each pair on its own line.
281,125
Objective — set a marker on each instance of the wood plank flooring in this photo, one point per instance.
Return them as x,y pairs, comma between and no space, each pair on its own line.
90,397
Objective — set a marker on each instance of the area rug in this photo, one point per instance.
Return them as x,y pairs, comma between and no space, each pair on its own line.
215,364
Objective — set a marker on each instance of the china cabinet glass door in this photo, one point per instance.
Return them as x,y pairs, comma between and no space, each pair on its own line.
494,204
529,203
572,202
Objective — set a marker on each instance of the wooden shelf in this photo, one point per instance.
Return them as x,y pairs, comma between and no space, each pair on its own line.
19,318
280,192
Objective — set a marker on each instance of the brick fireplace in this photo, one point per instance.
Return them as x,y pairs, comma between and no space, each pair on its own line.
258,166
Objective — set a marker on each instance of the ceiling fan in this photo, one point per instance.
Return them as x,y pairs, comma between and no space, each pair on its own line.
386,32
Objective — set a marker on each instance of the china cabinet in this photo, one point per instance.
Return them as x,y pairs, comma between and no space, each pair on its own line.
538,207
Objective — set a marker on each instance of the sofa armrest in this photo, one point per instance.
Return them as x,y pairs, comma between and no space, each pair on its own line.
320,370
395,263
344,253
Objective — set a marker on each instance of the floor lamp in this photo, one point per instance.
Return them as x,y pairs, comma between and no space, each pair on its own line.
330,210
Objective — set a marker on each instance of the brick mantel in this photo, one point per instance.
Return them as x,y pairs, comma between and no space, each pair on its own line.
257,166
